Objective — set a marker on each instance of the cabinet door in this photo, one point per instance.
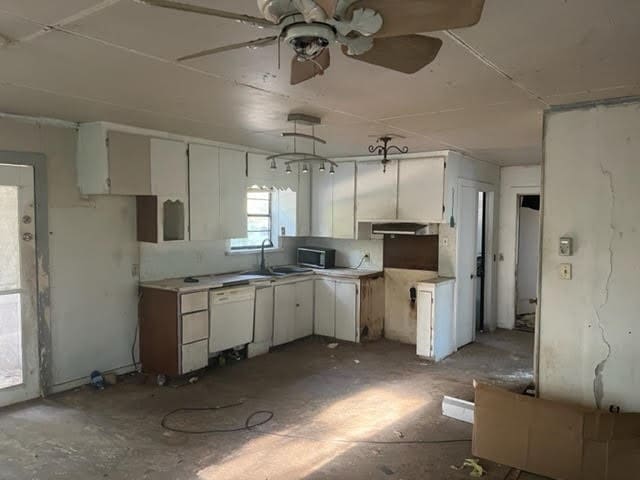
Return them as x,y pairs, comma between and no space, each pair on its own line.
303,198
129,164
421,189
377,196
346,311
344,200
233,194
325,307
168,167
304,309
263,323
321,204
284,314
204,192
424,341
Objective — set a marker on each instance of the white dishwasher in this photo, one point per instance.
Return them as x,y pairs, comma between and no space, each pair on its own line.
231,318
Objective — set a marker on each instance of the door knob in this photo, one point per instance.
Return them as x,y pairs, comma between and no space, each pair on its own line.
472,276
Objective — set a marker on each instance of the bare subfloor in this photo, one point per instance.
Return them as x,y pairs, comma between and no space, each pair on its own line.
378,391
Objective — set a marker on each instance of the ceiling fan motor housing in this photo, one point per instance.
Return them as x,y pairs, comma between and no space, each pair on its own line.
309,40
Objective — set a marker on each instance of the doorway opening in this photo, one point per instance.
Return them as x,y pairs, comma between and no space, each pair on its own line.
527,256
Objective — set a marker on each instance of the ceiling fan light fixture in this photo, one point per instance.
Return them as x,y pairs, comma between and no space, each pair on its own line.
273,166
288,170
322,167
332,170
305,168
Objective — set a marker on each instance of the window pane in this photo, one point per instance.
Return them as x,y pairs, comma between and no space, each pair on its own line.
259,195
9,243
10,341
259,223
258,207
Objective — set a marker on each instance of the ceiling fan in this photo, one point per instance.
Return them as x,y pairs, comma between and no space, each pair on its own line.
379,32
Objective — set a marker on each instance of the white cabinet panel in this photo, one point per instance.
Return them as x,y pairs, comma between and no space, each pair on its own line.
325,307
204,192
263,324
168,167
195,326
321,204
344,197
194,356
304,309
346,311
233,194
129,164
421,189
303,227
284,316
377,195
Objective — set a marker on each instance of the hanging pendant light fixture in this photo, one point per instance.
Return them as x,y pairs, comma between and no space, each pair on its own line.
383,148
306,159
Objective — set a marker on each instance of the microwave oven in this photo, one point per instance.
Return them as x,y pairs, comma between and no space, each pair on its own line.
317,257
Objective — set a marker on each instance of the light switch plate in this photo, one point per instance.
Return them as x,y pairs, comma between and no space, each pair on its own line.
566,271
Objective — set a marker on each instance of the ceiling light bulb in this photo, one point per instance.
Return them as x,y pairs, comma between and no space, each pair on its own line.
305,169
332,170
322,167
273,165
288,170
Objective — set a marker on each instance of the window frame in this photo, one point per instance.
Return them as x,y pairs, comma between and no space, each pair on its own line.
269,216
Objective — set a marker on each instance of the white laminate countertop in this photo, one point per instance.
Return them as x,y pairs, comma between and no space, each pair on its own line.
437,281
227,280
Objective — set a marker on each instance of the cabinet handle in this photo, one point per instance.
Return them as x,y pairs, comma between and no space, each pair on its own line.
297,304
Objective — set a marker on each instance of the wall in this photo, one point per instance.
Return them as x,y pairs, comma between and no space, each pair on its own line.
349,253
202,258
92,249
514,181
589,326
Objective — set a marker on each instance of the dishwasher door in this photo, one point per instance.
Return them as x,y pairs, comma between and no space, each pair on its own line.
231,318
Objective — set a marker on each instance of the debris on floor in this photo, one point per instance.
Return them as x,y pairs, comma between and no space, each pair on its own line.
97,380
386,470
473,463
458,409
356,362
110,378
399,434
333,345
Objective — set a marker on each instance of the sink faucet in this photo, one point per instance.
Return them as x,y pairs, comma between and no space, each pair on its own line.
263,264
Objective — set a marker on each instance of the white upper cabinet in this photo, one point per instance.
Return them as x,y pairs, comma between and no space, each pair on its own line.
421,190
377,198
233,193
168,167
344,194
321,204
204,192
333,202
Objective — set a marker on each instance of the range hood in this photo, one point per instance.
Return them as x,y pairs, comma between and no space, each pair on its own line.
404,228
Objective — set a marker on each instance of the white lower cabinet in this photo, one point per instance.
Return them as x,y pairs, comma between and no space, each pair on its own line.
293,311
436,337
194,356
336,309
263,323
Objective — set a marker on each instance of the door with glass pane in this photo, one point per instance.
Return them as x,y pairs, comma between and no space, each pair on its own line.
19,364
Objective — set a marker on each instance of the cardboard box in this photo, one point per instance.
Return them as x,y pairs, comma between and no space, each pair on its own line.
553,439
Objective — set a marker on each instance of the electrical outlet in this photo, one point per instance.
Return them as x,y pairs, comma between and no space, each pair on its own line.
366,256
566,271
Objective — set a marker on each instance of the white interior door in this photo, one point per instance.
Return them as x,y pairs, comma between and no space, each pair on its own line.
467,226
19,364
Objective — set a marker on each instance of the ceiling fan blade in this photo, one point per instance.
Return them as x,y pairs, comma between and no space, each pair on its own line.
260,42
329,7
403,17
406,54
185,7
303,71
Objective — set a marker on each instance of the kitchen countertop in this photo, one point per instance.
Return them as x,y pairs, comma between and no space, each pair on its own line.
227,280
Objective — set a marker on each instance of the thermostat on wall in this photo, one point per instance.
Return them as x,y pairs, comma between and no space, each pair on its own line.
566,247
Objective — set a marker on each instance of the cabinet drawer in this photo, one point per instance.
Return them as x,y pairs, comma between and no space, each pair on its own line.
193,302
195,356
195,326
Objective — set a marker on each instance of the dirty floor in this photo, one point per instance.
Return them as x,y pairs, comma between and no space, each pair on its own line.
323,400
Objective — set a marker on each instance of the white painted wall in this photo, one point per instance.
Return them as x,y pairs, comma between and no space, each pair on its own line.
528,260
514,181
92,249
159,261
350,252
589,326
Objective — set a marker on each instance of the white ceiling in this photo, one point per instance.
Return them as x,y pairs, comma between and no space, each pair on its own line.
85,60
